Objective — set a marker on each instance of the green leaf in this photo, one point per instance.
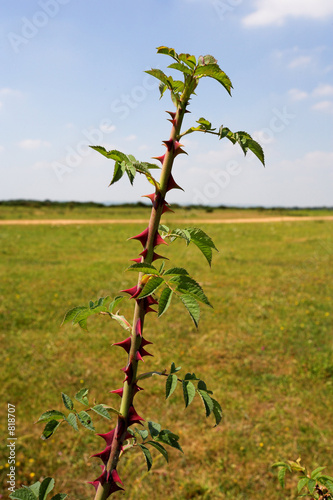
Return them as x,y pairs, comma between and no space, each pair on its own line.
118,172
51,415
50,429
207,401
316,473
171,384
217,410
167,51
327,481
143,268
34,488
71,419
282,475
188,59
208,59
165,300
190,376
176,271
122,321
115,302
181,233
202,241
68,403
23,494
188,392
181,67
213,70
151,286
70,315
143,433
147,455
102,411
160,448
167,437
154,429
192,306
81,396
85,420
157,73
59,496
173,368
187,285
301,483
45,488
256,149
311,485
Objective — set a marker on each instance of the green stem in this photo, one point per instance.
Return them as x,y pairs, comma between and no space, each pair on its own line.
103,491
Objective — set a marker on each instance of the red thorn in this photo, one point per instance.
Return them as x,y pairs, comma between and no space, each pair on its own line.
138,260
142,237
151,301
151,196
103,455
125,344
166,208
159,158
133,417
172,114
168,144
115,477
138,328
145,342
172,184
108,437
128,370
138,356
143,352
149,309
155,255
179,152
158,240
102,479
132,291
118,391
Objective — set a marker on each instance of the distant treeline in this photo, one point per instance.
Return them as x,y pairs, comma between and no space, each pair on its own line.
92,204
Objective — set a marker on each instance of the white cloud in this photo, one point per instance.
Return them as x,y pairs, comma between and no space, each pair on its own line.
323,107
300,62
106,128
323,90
130,138
276,12
8,92
32,144
297,95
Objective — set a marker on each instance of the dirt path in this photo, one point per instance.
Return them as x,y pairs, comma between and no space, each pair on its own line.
65,222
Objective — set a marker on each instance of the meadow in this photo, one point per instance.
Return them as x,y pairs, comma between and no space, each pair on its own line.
265,350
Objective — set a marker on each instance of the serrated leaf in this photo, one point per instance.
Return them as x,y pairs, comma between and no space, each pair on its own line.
35,488
187,285
192,307
147,455
45,488
188,392
23,494
190,376
167,437
176,271
143,268
164,301
50,429
207,401
316,472
143,433
326,481
180,67
171,384
217,410
311,485
118,172
162,77
154,429
81,396
173,368
160,448
212,70
301,483
71,419
68,403
167,51
282,475
70,315
256,149
51,415
102,411
115,302
122,321
151,286
188,59
85,419
182,233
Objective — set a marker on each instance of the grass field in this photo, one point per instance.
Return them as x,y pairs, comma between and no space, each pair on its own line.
265,349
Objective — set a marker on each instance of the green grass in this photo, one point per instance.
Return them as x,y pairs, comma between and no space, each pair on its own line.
265,349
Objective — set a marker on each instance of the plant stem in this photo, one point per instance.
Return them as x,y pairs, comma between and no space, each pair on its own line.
103,490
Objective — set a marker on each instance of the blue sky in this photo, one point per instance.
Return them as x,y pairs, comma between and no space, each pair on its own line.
73,75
